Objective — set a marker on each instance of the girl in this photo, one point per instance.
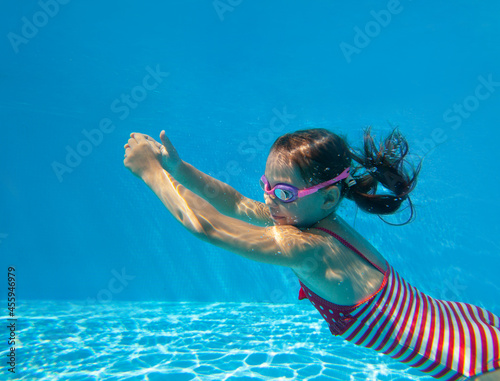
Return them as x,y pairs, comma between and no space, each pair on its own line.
363,299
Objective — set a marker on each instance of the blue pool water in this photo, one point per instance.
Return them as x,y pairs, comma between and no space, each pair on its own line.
109,286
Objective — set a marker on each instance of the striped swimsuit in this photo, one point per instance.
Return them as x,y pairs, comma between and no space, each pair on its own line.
447,340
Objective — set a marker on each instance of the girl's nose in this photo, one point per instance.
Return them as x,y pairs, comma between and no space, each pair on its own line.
269,199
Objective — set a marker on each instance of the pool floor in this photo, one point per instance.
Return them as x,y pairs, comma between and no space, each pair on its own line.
152,341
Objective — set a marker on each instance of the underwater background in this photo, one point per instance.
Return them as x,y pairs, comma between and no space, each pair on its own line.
224,79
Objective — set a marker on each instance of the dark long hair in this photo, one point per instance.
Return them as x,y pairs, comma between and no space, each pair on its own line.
320,155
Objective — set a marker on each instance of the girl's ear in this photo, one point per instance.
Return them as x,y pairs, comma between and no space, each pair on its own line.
331,197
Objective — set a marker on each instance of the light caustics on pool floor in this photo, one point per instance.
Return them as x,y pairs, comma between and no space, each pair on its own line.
188,341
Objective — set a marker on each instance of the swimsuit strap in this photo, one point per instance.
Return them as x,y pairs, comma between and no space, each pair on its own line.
349,246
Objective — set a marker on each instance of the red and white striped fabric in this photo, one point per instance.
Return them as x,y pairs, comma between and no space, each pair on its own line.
447,340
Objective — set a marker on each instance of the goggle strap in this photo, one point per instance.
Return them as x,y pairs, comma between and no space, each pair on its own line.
315,188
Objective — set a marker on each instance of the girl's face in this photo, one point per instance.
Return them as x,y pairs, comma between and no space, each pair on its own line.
304,211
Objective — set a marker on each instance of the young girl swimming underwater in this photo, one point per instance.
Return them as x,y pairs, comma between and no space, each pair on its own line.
360,295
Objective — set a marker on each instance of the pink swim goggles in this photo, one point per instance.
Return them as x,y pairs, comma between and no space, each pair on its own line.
289,193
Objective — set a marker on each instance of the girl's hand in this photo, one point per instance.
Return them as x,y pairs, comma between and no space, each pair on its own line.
169,159
141,156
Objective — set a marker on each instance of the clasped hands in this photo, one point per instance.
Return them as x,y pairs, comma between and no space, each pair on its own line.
143,154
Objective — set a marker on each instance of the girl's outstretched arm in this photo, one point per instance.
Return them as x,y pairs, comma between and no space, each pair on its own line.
279,245
222,196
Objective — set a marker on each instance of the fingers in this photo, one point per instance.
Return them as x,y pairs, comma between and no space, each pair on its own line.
166,142
154,143
132,142
155,147
138,137
127,149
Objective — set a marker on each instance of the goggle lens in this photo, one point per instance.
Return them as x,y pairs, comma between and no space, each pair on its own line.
281,191
283,194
